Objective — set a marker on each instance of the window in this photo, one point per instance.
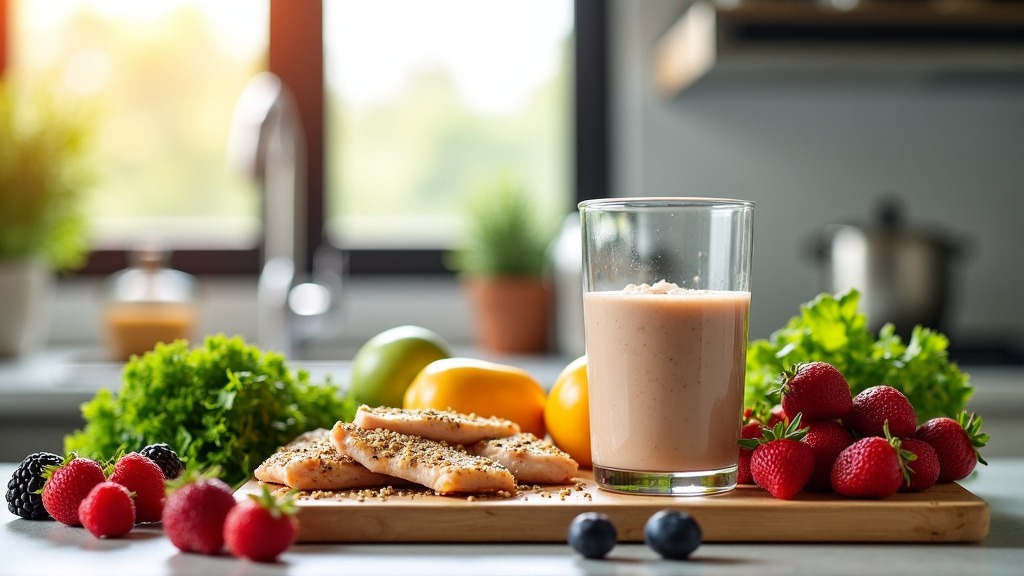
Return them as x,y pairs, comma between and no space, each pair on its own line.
190,59
162,76
424,108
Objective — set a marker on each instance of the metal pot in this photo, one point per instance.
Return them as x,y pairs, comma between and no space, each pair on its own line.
903,274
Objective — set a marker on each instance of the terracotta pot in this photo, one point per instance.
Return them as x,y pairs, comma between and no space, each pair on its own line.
25,292
511,313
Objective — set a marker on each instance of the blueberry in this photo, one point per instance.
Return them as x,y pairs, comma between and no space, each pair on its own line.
592,534
672,534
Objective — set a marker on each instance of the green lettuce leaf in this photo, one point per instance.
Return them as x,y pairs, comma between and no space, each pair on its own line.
225,403
830,329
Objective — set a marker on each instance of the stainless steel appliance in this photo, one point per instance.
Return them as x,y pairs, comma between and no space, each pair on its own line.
904,273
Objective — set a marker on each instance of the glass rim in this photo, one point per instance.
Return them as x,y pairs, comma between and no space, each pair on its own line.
622,203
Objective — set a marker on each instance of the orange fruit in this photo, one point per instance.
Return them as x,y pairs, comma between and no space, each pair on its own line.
567,412
480,387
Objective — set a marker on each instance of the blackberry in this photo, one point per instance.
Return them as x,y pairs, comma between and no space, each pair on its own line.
166,458
27,480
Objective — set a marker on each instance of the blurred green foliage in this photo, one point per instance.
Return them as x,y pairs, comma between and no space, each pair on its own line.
45,176
505,234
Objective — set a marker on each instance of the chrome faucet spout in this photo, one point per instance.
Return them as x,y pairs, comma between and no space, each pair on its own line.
267,143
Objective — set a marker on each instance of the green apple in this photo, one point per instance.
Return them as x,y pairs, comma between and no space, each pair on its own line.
386,364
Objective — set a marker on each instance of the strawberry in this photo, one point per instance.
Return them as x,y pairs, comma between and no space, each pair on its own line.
815,389
956,443
261,528
924,468
781,464
145,480
776,415
878,404
108,510
752,429
827,438
67,484
764,413
872,467
195,510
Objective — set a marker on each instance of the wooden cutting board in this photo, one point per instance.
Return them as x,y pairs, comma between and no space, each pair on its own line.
943,513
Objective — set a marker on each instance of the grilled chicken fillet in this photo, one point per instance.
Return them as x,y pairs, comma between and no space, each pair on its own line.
441,425
436,465
530,459
311,462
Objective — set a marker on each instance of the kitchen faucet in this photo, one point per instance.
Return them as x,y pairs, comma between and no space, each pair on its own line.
267,143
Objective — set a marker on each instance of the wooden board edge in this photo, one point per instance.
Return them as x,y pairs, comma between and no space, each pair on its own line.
466,525
952,514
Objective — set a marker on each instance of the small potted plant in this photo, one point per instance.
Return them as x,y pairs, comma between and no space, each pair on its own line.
503,259
44,177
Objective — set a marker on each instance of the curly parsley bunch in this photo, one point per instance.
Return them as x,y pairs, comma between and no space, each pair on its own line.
830,329
225,403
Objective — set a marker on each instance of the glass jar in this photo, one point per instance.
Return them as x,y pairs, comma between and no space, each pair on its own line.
148,303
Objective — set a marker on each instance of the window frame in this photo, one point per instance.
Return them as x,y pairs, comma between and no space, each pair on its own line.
296,55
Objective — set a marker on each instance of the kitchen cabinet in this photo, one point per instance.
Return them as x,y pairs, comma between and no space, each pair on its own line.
786,40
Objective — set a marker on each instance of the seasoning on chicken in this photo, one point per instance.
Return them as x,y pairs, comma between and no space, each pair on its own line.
441,425
311,462
530,459
436,465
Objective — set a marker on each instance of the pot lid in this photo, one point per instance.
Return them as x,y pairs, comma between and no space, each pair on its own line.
888,227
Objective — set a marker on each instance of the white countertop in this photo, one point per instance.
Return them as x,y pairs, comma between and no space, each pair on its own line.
46,547
60,379
55,382
50,386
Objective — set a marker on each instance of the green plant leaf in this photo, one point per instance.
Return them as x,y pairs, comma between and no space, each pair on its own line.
46,172
504,236
830,329
225,404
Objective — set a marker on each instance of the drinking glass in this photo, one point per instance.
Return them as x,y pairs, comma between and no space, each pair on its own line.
666,303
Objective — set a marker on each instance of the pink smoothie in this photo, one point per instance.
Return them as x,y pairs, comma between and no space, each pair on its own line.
665,370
